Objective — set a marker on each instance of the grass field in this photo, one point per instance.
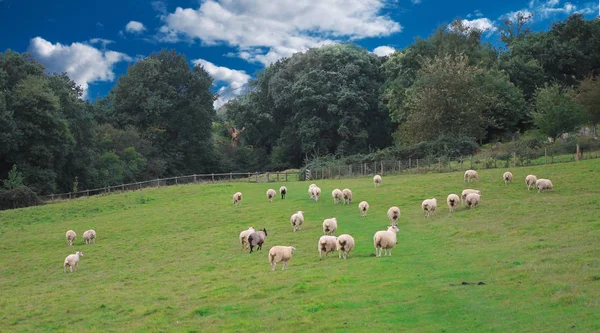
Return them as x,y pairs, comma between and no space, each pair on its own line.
169,259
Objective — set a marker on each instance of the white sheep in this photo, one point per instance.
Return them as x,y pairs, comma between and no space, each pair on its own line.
244,237
283,192
429,206
257,239
347,196
237,197
377,180
296,220
385,240
394,215
89,235
72,260
329,226
344,244
473,200
271,194
453,201
543,184
316,193
280,253
310,191
530,181
337,196
464,193
508,177
326,244
70,237
471,174
363,206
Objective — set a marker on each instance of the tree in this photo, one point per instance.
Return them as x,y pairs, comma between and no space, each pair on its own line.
557,110
15,179
589,97
515,28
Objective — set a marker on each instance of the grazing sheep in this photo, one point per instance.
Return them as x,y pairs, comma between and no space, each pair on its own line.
363,206
296,220
283,192
244,237
337,196
72,260
377,180
429,206
508,176
473,200
237,197
89,235
344,244
329,226
326,244
257,239
471,174
543,184
453,201
310,191
393,214
280,253
71,237
316,193
467,191
271,194
347,196
385,240
530,181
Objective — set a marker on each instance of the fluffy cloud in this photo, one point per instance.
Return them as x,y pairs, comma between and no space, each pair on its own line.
544,9
483,24
236,80
83,63
134,27
265,31
383,50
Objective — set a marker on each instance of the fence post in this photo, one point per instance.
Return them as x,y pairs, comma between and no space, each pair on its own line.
123,188
87,193
350,168
381,170
514,159
267,176
194,178
256,173
277,175
69,196
409,163
471,167
249,177
399,165
213,177
231,176
545,155
374,167
52,197
417,165
461,163
286,176
439,164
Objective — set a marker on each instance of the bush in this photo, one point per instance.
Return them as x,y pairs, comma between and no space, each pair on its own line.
19,197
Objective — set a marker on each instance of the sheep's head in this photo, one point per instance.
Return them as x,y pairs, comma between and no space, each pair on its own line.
293,249
265,231
393,228
79,253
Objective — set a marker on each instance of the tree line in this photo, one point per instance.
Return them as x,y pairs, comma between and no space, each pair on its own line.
450,89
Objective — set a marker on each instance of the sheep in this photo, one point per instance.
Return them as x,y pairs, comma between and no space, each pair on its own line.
337,195
347,196
89,235
471,174
363,206
385,240
283,192
326,244
530,181
429,206
237,197
453,201
316,193
329,226
377,180
271,194
244,237
310,191
543,184
296,220
393,214
473,200
70,237
467,191
344,244
72,260
508,176
257,239
280,253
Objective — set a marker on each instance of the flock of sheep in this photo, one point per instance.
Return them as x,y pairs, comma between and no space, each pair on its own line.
383,240
72,260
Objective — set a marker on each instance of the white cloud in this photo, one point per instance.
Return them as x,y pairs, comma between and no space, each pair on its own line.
159,6
483,24
134,27
415,2
383,50
83,63
101,41
236,80
282,28
512,16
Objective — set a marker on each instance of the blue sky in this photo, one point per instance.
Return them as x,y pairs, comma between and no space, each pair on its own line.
95,42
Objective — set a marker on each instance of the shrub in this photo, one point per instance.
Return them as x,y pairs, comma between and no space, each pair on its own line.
19,197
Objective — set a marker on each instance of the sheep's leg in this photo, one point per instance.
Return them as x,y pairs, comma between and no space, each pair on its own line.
284,265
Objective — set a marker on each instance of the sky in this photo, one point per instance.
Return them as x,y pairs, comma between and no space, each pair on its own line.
96,41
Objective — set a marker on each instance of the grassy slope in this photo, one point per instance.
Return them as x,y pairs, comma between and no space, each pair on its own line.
169,259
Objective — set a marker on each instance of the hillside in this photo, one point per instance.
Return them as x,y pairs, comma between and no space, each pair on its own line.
169,259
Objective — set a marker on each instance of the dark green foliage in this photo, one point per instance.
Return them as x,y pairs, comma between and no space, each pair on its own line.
557,111
18,197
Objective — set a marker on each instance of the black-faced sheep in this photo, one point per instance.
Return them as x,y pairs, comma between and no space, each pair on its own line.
257,239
